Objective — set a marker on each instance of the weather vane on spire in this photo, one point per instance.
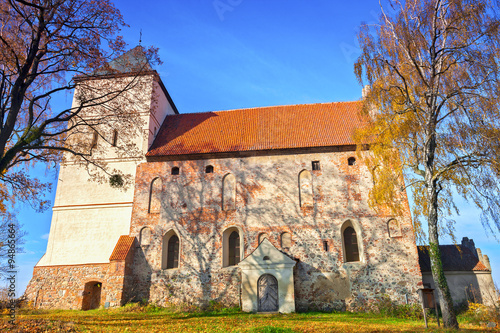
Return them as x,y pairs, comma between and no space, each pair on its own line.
140,37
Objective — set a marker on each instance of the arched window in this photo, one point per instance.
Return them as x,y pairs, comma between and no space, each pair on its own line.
145,236
305,189
155,196
393,228
175,171
351,249
286,240
263,236
209,169
170,250
232,247
173,252
228,192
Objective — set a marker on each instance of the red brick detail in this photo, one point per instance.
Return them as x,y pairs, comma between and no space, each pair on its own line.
122,248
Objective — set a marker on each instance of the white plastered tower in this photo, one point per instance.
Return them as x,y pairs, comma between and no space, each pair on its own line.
88,218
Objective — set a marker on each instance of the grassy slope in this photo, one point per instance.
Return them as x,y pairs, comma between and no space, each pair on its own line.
162,320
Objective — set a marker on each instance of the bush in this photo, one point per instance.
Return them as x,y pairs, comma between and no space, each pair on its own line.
131,308
385,306
481,313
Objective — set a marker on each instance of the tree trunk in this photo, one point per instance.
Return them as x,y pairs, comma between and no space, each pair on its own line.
446,303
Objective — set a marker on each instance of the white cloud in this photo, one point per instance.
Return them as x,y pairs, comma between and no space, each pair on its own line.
44,236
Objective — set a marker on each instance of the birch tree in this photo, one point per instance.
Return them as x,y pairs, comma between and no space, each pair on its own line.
434,114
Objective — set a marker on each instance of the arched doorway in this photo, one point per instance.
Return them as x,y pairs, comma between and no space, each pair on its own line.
91,295
268,293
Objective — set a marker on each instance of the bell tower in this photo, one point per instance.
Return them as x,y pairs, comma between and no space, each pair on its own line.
89,217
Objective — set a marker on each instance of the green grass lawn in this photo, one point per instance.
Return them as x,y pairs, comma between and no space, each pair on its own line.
141,319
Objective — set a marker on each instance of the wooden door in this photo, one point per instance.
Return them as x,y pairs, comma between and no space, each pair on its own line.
268,293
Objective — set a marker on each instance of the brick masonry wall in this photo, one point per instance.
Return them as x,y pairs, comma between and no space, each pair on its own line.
267,200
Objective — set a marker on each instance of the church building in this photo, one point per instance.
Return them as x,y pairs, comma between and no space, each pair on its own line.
264,208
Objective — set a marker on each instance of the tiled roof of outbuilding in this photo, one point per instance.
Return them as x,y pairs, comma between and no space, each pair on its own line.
265,128
122,248
453,259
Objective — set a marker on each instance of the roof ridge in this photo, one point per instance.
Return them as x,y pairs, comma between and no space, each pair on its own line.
270,106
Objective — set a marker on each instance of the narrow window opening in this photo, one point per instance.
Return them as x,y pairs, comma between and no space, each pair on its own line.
325,246
114,141
95,137
393,228
234,249
145,236
175,171
229,192
155,196
316,166
173,252
209,169
351,161
351,245
286,240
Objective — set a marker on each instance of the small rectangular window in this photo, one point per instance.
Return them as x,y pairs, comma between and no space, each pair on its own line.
315,165
325,246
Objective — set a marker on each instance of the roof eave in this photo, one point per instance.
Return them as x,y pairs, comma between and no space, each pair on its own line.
250,153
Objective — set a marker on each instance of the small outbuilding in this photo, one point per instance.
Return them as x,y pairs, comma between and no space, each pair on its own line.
467,271
267,280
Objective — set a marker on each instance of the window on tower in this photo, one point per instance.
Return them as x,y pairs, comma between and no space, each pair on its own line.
95,137
114,140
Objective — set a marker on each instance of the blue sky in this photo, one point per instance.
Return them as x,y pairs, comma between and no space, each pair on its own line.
230,54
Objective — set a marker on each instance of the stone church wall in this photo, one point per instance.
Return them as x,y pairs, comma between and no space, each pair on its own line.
268,200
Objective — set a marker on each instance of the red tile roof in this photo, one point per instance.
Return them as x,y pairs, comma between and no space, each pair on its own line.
122,248
265,128
454,258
